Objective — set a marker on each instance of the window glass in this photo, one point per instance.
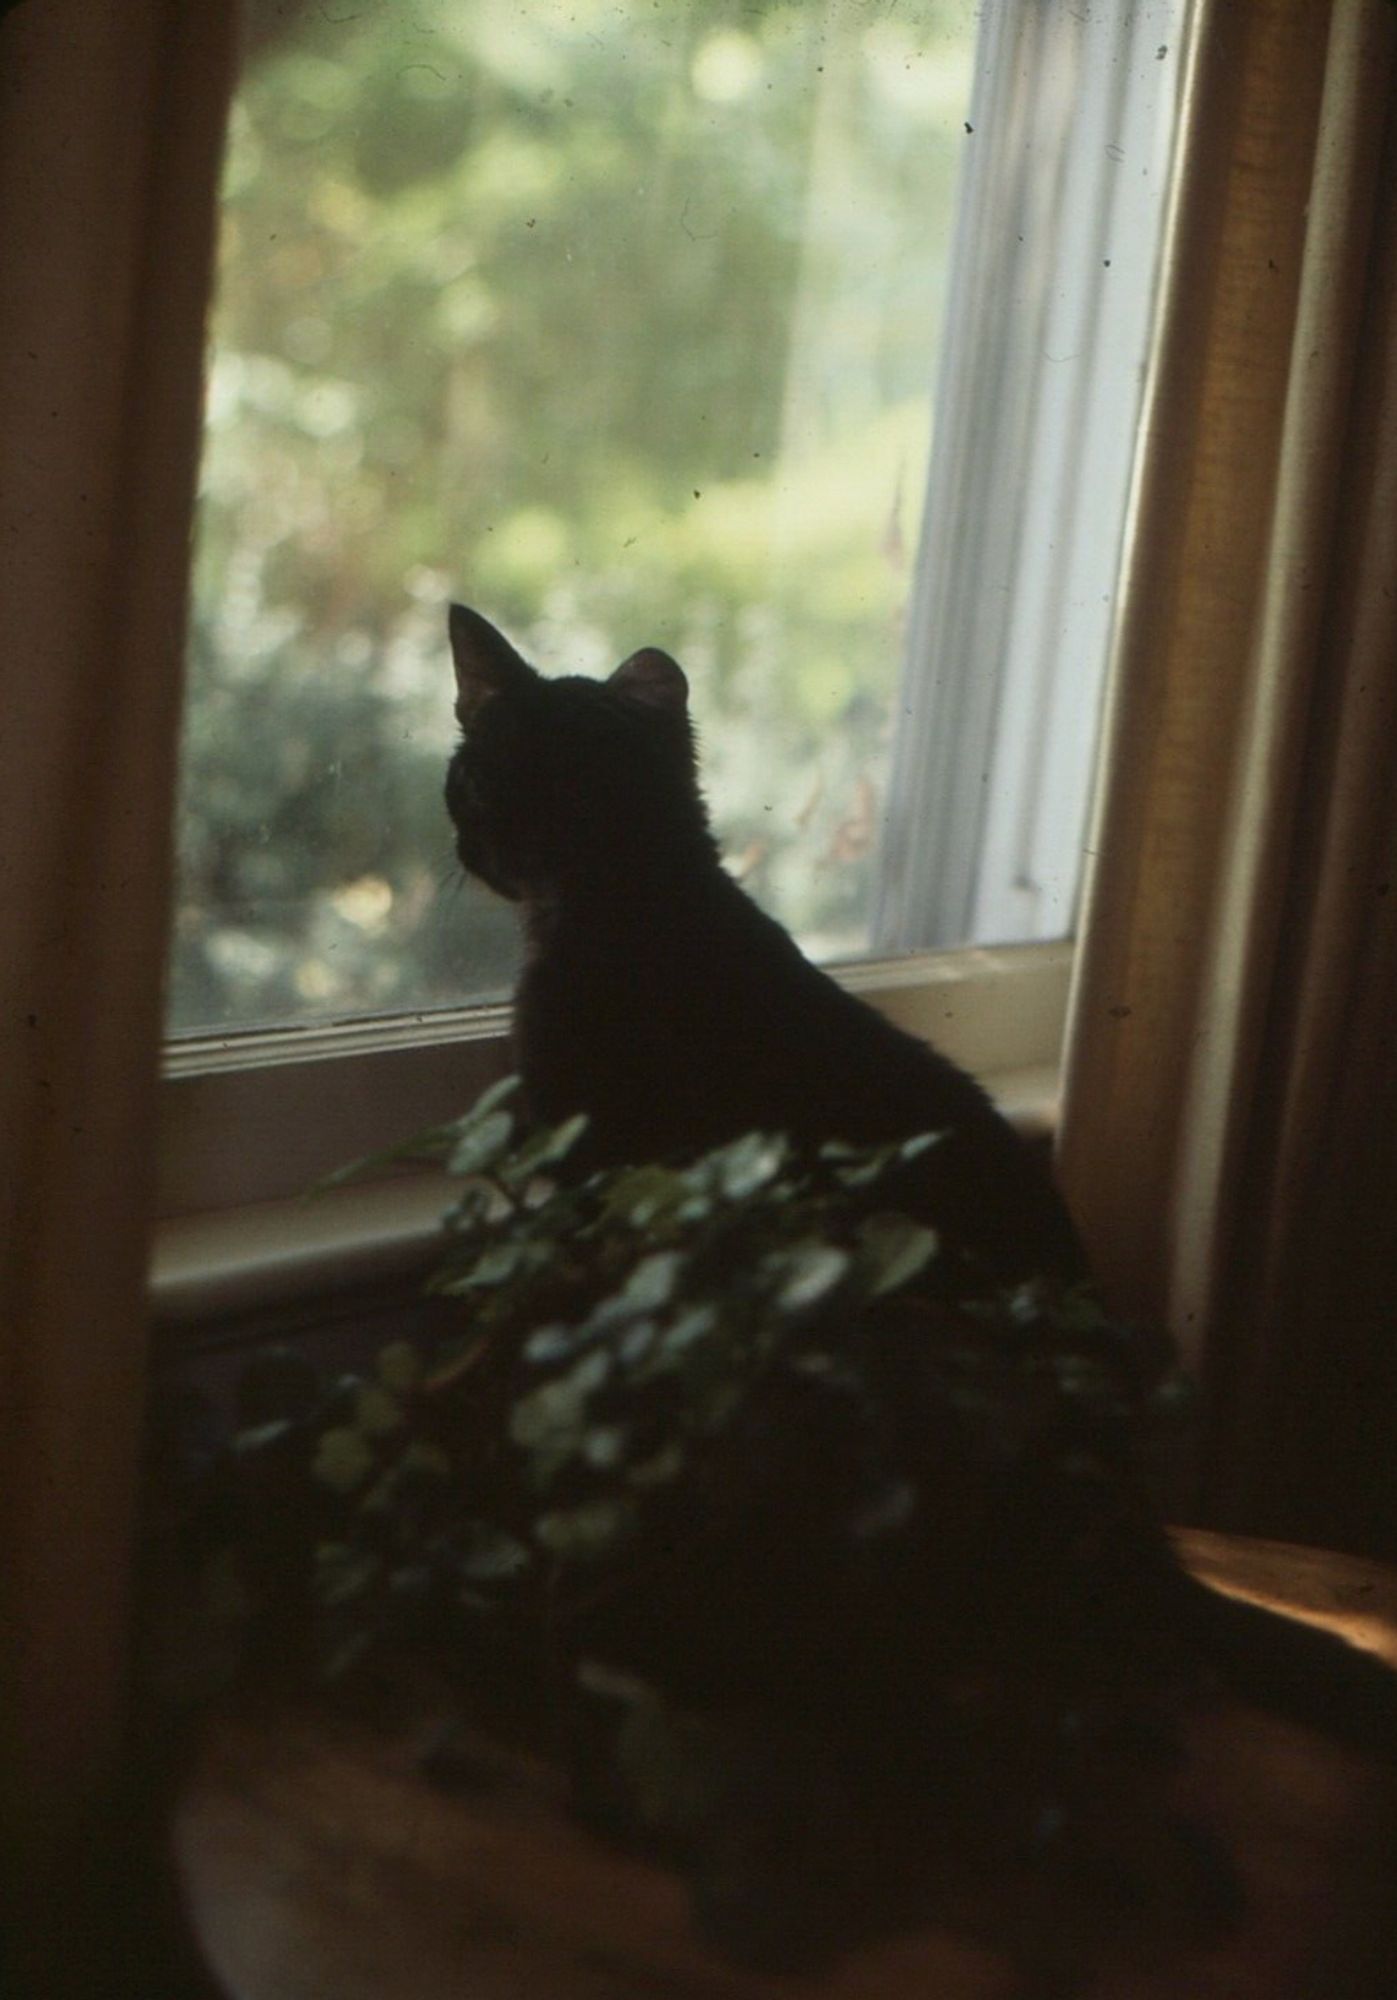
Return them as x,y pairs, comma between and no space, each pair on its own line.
617,320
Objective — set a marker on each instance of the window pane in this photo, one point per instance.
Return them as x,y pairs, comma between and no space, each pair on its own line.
617,321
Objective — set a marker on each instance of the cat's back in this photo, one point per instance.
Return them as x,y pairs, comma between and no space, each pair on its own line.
740,987
678,1028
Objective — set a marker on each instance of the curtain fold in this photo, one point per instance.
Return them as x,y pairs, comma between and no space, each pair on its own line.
1228,1136
111,119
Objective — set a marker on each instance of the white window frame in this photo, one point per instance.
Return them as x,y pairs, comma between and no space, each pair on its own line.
251,1119
1058,237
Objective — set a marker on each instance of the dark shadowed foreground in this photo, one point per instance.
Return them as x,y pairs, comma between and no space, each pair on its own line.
318,1861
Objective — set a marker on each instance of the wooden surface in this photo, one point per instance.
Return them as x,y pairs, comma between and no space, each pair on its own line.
318,1865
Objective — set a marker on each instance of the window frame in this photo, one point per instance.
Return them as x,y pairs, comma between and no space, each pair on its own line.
303,1101
1059,235
251,1119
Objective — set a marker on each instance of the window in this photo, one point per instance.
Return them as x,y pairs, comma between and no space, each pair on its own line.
803,339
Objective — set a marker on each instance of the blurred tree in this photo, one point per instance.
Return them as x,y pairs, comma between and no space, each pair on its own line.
618,321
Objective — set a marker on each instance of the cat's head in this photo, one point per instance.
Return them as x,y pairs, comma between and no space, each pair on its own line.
567,778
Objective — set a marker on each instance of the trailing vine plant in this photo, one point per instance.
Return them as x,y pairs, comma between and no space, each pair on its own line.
815,1553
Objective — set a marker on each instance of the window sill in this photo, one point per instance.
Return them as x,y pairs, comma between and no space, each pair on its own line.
257,1118
236,1260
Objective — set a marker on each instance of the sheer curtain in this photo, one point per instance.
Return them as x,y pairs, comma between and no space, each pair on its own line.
1230,1124
111,117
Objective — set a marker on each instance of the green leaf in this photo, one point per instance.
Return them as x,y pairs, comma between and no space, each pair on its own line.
806,1273
1079,1311
342,1460
650,1285
425,1460
422,1149
643,1195
376,1412
865,1166
693,1209
480,1144
263,1437
667,1464
343,1574
554,1343
399,1367
1080,1375
585,1533
478,1204
438,1142
489,1555
919,1143
893,1250
1025,1304
605,1446
636,1342
748,1164
693,1324
552,1416
502,1264
545,1149
490,1100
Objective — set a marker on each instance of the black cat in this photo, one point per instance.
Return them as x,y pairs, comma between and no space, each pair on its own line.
657,997
659,1000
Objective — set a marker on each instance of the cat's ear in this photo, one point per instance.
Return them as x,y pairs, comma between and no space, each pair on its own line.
654,678
485,662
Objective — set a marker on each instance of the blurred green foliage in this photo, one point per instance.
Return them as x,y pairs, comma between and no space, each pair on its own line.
614,319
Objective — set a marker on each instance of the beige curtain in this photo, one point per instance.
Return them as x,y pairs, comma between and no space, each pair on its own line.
1230,1125
111,115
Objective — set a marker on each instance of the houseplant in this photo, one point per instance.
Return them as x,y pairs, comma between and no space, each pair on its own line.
822,1561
